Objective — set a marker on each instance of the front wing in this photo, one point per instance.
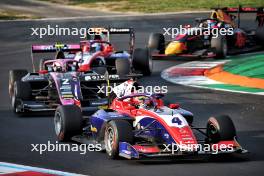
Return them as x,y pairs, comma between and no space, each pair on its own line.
129,151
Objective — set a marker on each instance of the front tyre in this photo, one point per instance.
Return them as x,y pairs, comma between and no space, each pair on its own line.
117,131
220,45
68,122
220,128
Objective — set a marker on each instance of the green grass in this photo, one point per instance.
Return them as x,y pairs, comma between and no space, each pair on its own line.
13,15
151,6
250,66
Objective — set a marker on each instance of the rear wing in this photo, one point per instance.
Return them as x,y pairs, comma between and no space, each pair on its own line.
53,48
96,32
258,10
106,77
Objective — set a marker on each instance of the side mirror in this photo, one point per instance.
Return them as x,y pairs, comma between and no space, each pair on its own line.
43,71
174,106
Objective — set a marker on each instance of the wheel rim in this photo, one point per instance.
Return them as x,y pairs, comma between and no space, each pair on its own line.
57,122
109,139
150,64
212,129
13,99
13,102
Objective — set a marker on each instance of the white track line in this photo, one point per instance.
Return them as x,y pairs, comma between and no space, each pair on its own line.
198,81
6,168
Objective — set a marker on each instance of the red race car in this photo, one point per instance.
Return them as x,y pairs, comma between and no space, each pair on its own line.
98,54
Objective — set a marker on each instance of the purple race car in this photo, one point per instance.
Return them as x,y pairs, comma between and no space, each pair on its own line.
60,82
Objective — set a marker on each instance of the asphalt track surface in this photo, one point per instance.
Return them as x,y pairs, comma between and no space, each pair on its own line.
16,133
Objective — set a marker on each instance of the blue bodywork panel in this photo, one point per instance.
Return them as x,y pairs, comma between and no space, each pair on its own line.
126,150
101,116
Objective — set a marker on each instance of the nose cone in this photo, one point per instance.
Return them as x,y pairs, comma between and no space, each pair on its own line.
175,47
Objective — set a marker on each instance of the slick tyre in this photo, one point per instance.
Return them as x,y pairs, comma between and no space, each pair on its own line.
220,45
122,67
117,131
157,41
220,128
142,61
15,75
22,92
260,36
68,122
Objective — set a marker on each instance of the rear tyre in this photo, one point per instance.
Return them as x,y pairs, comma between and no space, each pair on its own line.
122,66
68,122
220,128
220,45
15,75
260,36
22,92
117,131
142,61
157,41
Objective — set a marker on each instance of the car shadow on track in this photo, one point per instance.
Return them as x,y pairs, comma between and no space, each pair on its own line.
10,113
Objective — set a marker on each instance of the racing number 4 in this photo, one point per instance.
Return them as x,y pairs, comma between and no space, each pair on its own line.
176,120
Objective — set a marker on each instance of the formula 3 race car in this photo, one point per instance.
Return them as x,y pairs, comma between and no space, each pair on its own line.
202,42
98,53
140,126
60,82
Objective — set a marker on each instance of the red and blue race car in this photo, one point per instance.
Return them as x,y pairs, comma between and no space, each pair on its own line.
140,125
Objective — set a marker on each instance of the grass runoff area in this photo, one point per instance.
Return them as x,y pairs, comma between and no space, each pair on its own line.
250,66
154,6
13,15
